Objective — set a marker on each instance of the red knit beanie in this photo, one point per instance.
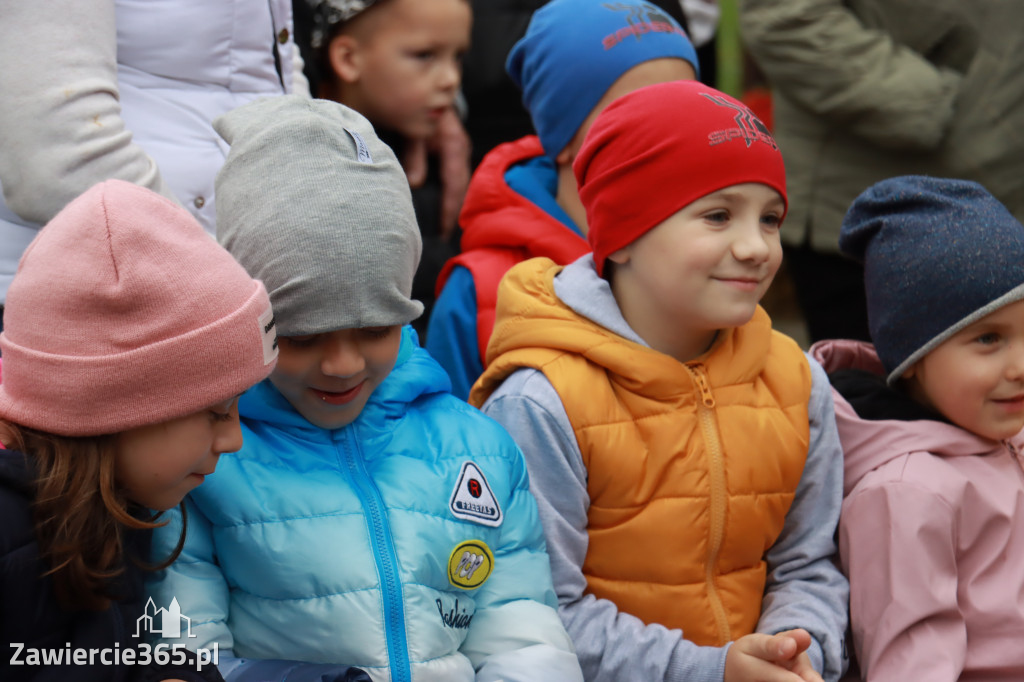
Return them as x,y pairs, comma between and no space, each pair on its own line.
125,312
660,148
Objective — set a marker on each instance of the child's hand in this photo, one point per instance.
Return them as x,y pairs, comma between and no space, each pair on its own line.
801,662
453,146
771,658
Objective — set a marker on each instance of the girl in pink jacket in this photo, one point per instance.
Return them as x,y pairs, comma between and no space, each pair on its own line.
930,417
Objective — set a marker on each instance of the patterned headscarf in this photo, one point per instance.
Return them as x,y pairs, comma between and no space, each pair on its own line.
329,13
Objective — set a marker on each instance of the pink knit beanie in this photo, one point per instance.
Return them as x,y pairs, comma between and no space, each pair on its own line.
658,149
125,312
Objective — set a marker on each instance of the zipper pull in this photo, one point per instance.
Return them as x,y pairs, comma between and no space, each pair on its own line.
706,397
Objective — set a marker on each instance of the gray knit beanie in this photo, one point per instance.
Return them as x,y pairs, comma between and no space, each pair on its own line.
313,204
939,254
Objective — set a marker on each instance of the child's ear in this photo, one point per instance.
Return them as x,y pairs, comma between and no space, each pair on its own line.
620,256
344,56
910,371
566,156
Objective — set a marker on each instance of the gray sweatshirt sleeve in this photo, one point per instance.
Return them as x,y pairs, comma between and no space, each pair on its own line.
611,645
805,589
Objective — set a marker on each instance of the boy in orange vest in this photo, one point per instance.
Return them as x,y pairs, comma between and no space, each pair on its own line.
683,454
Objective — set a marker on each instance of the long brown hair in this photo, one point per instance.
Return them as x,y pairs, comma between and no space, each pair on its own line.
81,515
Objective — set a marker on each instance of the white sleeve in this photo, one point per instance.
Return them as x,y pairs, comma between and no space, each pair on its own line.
61,129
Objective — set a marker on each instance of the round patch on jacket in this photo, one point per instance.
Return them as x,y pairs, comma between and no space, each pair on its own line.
470,564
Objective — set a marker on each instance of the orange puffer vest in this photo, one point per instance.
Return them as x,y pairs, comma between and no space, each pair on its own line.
692,466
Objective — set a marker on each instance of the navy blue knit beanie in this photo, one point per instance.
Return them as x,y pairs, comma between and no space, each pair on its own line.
938,255
574,50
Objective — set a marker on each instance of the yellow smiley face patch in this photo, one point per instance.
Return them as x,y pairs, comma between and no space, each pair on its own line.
470,564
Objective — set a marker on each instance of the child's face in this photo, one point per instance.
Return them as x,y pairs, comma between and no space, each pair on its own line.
404,73
976,377
158,464
329,377
703,269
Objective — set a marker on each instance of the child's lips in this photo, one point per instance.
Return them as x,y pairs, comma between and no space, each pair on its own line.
338,397
742,283
1011,404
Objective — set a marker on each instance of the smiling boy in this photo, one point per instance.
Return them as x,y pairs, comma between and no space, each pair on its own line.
371,516
684,455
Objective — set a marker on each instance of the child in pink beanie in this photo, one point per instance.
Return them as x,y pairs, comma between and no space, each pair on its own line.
129,333
683,454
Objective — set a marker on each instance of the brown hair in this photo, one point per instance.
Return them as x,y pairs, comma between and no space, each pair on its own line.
80,515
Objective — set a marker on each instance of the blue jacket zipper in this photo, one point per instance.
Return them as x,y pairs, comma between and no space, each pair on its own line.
387,562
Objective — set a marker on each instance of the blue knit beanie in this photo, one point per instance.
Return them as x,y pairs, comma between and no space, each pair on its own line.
938,256
574,50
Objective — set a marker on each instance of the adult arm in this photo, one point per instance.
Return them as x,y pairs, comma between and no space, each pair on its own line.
898,546
805,589
611,645
823,58
60,117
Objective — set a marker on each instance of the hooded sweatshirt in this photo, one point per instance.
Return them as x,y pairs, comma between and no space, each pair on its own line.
803,587
931,534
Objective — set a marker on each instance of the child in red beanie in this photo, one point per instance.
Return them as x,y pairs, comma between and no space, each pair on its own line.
683,454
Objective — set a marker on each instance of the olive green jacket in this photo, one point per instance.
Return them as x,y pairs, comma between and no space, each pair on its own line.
869,89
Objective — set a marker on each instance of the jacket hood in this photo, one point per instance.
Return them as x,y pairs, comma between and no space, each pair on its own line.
496,215
416,374
871,443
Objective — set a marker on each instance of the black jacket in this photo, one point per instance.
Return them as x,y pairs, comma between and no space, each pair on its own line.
31,617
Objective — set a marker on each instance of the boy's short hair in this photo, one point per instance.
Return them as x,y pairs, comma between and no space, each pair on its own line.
660,148
939,254
314,204
574,50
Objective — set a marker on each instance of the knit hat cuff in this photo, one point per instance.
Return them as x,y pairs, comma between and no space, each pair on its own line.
209,365
1012,296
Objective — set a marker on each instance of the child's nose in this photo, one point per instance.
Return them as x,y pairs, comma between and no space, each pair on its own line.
342,358
1015,364
451,74
229,434
751,243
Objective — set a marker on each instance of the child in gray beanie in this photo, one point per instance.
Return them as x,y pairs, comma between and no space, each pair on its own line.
932,525
371,519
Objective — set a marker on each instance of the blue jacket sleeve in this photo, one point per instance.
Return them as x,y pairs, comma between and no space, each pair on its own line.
195,580
451,332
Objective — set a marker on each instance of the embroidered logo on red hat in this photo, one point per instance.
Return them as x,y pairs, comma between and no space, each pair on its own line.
748,126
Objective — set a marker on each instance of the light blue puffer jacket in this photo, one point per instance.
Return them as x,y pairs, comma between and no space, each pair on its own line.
336,546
